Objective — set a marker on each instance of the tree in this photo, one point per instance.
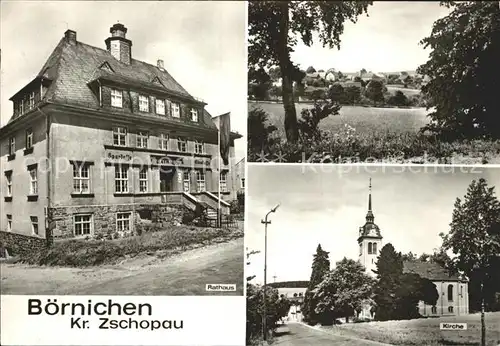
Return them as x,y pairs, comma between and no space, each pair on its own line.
410,256
336,93
353,94
398,99
277,308
375,91
310,69
343,291
259,132
259,83
274,73
462,67
362,72
320,267
474,236
389,270
272,30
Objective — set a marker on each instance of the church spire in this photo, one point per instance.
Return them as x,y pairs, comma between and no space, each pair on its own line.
369,215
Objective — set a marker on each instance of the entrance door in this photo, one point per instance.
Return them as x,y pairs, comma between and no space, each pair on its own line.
167,175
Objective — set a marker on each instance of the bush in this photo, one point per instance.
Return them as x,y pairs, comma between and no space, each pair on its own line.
84,253
234,207
259,132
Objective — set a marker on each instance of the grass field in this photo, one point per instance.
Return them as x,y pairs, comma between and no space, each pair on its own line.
425,331
381,134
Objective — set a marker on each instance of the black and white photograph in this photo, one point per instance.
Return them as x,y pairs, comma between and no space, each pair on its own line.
122,148
382,81
373,255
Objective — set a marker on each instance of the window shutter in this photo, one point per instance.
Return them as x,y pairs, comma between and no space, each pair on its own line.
168,108
180,177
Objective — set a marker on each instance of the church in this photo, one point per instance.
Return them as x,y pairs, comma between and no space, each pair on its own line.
453,291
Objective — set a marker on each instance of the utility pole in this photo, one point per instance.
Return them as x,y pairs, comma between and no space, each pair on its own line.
264,318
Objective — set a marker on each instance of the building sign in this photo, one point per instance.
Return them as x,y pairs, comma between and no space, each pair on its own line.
184,161
112,156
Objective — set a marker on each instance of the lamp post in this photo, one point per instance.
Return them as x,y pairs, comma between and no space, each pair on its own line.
266,222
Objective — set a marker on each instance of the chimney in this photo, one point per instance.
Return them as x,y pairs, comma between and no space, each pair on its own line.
118,45
159,64
70,36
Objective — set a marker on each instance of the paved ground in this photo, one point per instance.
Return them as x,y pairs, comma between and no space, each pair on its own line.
183,274
298,334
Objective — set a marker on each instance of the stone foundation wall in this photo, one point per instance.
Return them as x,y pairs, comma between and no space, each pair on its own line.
61,219
17,244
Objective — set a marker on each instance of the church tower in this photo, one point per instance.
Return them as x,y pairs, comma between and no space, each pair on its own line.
370,239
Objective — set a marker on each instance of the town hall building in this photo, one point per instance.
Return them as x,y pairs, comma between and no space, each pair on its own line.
99,140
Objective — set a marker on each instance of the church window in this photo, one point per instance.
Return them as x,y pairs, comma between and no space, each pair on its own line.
374,249
450,309
434,310
369,248
450,293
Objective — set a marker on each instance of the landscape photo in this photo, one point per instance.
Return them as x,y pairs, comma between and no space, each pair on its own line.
373,255
122,165
362,81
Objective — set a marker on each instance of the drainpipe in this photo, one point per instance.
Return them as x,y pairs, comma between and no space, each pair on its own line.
47,216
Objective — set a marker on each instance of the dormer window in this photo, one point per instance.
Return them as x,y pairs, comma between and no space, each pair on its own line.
176,112
21,107
31,103
116,98
143,103
160,107
194,115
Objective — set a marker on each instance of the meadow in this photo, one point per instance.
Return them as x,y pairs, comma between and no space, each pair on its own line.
379,134
424,331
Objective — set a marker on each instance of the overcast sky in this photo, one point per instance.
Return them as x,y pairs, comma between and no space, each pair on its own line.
202,44
328,204
387,40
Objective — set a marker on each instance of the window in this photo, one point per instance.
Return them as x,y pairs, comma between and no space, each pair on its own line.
81,178
33,181
200,181
450,309
12,145
194,115
181,144
116,98
160,107
9,223
123,222
21,107
374,249
186,183
163,141
223,181
83,225
121,179
34,224
360,249
461,290
242,183
450,293
29,138
143,179
176,112
142,139
119,136
199,147
370,248
31,103
8,180
143,103
434,310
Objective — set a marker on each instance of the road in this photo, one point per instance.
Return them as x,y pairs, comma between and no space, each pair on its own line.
183,274
298,334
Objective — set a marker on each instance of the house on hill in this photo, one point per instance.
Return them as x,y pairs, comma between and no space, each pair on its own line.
99,140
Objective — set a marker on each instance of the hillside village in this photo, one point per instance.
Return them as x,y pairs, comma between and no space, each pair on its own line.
363,87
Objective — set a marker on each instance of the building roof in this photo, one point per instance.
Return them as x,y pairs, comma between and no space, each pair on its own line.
72,66
429,270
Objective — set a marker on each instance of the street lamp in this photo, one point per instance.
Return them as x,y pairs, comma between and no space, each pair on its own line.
266,222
